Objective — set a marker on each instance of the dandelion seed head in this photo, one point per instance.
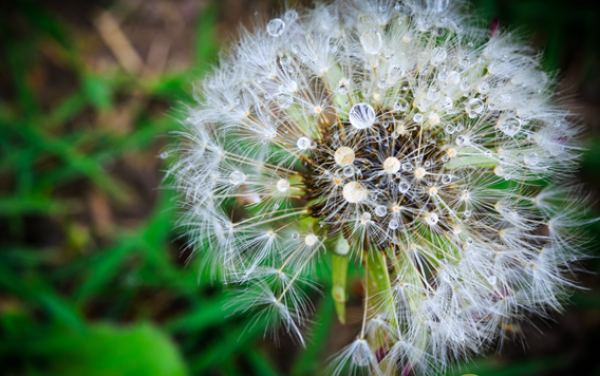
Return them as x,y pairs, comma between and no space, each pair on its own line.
378,128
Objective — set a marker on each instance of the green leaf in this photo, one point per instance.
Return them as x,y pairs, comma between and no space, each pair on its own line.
98,91
66,110
40,293
105,267
485,367
209,313
231,342
16,205
141,350
72,157
308,361
205,47
261,364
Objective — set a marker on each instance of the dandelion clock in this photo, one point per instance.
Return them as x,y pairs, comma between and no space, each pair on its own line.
398,140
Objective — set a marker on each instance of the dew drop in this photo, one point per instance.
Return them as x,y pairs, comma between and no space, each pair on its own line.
446,179
420,172
343,86
354,192
291,86
531,159
395,73
464,84
371,42
285,60
433,94
434,119
483,87
310,239
464,63
449,129
439,5
362,116
291,15
348,171
393,224
380,211
418,118
403,187
382,84
303,143
276,27
283,185
401,105
237,178
438,55
510,126
446,102
295,235
461,140
432,219
492,280
362,355
285,100
391,165
474,106
365,218
344,156
164,155
467,214
405,9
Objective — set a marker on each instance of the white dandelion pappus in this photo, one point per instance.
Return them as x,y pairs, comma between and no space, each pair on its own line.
397,135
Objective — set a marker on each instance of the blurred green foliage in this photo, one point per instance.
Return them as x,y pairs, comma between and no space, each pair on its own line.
122,300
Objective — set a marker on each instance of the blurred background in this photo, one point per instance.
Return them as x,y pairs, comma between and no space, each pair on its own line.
94,279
